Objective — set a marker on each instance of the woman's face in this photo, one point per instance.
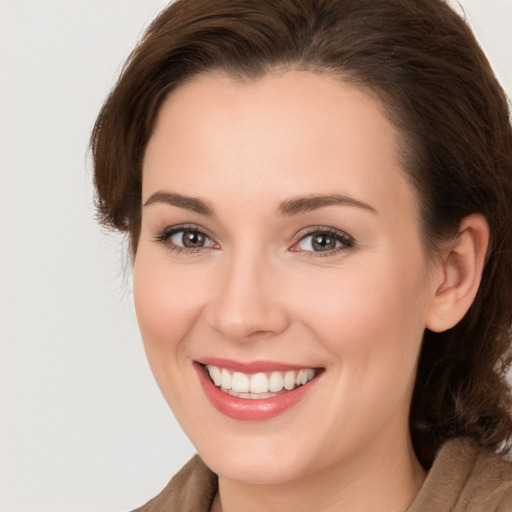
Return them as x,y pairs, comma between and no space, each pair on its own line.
279,234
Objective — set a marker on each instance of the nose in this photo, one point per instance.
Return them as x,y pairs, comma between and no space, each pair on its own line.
249,303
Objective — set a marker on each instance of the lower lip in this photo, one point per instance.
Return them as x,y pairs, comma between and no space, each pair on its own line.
248,409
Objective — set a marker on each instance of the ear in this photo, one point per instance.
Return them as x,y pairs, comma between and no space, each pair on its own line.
459,274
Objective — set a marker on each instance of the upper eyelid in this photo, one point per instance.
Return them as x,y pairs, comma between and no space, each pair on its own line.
303,233
171,230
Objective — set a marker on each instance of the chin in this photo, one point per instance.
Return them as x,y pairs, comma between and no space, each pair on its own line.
254,468
260,454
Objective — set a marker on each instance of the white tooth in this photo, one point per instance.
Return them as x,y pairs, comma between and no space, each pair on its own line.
289,380
240,383
301,378
258,383
214,374
310,373
225,379
275,382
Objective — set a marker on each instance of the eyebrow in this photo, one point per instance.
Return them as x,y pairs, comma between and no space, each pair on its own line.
312,202
188,203
290,207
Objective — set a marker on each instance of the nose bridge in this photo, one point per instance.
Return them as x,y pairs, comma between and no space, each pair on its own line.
247,301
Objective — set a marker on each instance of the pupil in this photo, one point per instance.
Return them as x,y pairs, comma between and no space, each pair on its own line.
193,239
324,243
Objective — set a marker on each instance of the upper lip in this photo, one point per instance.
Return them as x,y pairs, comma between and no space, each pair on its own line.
251,366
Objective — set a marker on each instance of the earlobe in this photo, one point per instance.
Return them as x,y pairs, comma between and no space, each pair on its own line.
460,274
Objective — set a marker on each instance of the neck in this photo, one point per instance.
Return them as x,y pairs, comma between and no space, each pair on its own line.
385,478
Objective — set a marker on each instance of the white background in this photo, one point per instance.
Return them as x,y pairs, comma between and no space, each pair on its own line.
83,427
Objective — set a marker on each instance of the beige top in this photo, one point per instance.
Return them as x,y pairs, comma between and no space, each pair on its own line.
463,478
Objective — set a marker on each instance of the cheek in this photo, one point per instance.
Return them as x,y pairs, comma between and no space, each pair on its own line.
167,304
371,323
374,312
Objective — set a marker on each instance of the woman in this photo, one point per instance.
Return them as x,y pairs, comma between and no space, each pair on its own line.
317,195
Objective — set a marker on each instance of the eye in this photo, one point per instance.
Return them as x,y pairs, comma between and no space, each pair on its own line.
324,240
186,238
191,239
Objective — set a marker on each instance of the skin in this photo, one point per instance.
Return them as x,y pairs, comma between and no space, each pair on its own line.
257,290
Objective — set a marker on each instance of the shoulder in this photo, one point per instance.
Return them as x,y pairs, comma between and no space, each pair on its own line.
192,489
466,477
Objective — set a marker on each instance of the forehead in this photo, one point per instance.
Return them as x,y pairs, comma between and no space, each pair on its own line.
293,131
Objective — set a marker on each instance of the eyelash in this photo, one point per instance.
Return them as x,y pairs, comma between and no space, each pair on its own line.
346,241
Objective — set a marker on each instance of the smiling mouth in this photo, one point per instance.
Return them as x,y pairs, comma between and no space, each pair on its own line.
259,385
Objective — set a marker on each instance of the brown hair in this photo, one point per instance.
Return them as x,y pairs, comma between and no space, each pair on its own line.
421,59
